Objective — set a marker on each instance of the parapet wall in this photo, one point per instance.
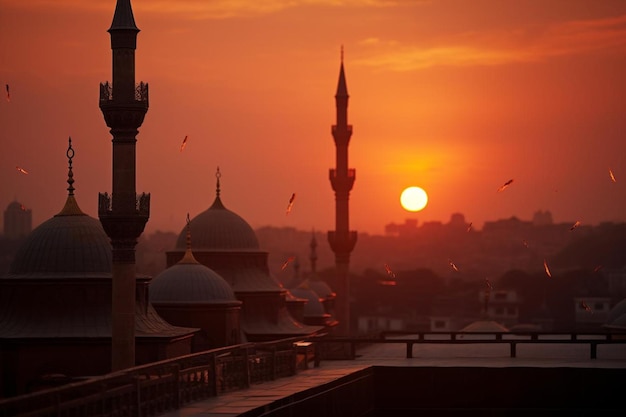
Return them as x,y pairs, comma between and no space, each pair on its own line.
442,391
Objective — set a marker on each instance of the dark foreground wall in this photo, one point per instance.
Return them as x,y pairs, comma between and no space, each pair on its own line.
440,391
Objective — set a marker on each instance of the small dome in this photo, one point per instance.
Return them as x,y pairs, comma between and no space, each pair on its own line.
218,228
313,307
484,326
70,243
190,282
321,288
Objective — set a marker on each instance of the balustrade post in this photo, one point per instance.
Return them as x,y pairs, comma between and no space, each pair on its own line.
273,363
246,368
214,374
138,400
513,346
409,350
177,393
593,353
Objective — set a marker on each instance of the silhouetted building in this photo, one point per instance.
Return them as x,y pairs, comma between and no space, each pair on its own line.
18,221
225,242
342,239
55,306
319,297
191,294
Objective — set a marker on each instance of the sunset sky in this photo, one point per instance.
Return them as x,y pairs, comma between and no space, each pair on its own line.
454,96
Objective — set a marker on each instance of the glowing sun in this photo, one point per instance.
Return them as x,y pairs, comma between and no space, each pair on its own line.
413,199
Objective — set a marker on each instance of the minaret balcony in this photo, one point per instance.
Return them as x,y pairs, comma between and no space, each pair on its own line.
342,182
123,224
344,128
140,97
342,242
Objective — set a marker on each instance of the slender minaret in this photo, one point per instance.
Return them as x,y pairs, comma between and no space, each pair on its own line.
313,253
342,240
123,215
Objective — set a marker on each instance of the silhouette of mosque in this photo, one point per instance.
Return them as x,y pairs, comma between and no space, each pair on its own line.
55,306
64,304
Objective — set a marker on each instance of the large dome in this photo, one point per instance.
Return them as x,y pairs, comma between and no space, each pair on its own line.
69,244
190,282
219,229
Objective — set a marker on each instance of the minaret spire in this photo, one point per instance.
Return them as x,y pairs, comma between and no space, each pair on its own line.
123,214
342,239
188,258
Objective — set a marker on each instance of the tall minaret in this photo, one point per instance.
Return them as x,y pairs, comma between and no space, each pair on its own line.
342,240
123,214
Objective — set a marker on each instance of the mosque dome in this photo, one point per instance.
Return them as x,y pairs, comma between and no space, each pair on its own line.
70,243
313,307
321,288
220,229
65,244
190,282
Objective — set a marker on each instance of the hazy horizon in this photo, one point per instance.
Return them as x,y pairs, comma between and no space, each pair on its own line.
455,97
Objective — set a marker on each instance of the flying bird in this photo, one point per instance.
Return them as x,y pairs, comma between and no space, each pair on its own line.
525,243
505,185
574,226
469,227
8,92
489,286
290,205
182,145
453,265
545,266
389,271
291,258
612,176
22,170
585,306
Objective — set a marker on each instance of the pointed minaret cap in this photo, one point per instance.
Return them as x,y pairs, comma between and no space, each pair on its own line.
342,88
123,18
71,206
188,258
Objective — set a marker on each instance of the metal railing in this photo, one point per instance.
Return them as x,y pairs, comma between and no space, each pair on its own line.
152,389
593,339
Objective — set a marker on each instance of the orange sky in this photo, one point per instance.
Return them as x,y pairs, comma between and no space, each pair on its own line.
454,96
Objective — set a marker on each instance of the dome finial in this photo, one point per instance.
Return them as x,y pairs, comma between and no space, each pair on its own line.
218,174
70,174
71,206
188,257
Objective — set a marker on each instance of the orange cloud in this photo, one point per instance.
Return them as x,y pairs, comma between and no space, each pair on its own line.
502,47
